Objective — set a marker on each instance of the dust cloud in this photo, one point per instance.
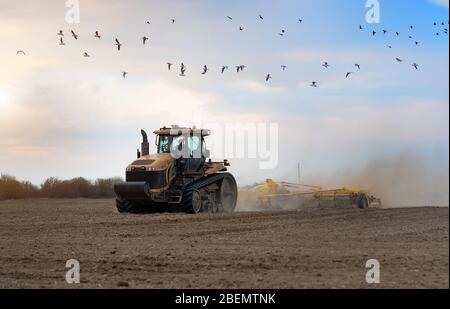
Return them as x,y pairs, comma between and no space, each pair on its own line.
401,180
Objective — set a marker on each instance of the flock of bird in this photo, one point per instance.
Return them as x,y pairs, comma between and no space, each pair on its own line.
241,68
410,35
183,68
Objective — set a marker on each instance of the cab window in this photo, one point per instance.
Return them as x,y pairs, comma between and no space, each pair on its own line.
169,144
193,144
164,144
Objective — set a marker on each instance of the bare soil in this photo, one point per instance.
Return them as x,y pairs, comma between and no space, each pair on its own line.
316,248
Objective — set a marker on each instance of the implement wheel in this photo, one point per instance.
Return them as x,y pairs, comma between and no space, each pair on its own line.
362,201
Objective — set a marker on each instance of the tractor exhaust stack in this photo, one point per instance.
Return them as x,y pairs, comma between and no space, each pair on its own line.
145,146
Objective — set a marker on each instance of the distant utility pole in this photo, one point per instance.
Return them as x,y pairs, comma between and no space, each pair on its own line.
298,171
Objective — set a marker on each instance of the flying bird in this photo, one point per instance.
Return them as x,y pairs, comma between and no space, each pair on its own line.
268,77
374,32
314,84
411,27
360,27
240,68
61,42
384,31
124,74
61,33
326,65
172,20
148,22
283,67
358,66
224,68
230,18
241,28
397,33
300,20
86,55
97,35
260,17
169,65
20,52
399,60
144,39
205,69
75,36
348,74
183,69
415,66
119,45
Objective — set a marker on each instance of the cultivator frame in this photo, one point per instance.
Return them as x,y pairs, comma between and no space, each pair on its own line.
268,192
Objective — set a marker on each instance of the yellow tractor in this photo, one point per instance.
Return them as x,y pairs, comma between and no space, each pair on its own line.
180,177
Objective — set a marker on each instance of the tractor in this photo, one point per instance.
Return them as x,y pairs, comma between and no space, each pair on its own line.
180,177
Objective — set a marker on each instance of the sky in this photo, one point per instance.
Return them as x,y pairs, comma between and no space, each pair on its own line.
65,115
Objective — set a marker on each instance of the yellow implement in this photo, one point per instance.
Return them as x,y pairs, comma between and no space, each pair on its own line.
275,195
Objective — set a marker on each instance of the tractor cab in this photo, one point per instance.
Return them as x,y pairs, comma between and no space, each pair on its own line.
187,146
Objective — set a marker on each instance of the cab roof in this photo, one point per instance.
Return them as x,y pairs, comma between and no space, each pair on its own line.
177,131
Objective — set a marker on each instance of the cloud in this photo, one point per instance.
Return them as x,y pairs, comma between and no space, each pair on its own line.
98,102
441,2
337,55
340,137
257,87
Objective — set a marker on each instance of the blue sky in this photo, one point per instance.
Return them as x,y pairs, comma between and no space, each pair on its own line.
60,112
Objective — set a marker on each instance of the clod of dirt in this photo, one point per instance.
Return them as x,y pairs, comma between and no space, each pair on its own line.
123,284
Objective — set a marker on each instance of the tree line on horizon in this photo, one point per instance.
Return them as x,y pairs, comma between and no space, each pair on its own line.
11,188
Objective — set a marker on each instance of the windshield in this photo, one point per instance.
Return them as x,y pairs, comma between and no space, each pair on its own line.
176,144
